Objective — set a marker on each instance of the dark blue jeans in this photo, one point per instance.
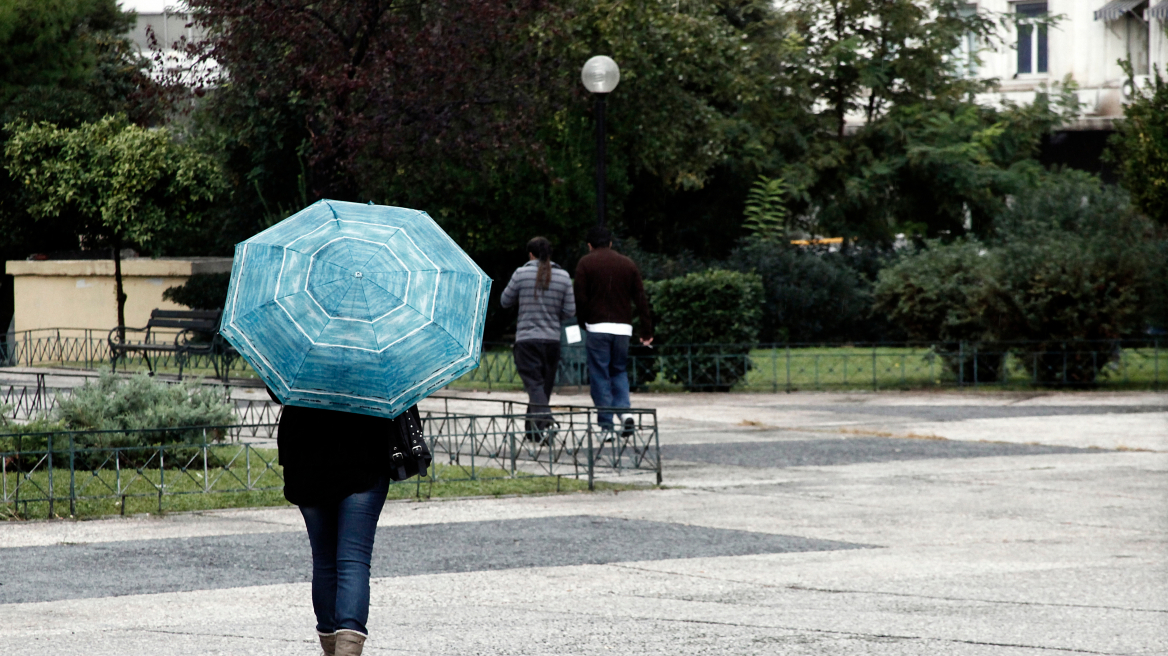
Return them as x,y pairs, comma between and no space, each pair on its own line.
608,361
342,535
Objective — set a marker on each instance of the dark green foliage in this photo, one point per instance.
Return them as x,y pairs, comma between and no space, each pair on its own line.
1158,292
719,308
939,294
659,266
1070,265
1073,263
202,291
54,43
1140,146
808,296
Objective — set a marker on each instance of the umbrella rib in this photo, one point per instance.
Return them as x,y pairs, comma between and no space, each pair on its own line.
300,366
403,301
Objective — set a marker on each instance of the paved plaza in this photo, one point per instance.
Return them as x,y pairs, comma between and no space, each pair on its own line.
807,523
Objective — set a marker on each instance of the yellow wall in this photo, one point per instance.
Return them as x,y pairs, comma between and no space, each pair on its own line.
80,293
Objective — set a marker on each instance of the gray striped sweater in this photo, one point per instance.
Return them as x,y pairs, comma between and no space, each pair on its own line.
540,315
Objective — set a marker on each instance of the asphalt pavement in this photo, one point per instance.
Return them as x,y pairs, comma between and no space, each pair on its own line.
878,523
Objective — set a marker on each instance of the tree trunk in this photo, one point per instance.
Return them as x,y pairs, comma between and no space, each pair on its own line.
121,295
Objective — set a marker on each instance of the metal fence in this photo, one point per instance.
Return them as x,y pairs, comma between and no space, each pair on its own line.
86,348
1139,363
787,367
470,433
43,472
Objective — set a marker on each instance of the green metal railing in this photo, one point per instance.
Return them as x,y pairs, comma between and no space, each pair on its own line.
86,348
47,470
469,433
42,472
1134,363
1141,364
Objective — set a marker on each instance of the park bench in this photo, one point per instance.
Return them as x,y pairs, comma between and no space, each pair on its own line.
198,334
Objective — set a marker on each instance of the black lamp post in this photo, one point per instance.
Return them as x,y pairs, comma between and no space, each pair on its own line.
600,76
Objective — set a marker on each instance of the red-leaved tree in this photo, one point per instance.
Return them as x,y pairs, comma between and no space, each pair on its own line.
365,90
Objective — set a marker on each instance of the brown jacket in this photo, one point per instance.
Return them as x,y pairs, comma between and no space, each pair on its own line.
608,284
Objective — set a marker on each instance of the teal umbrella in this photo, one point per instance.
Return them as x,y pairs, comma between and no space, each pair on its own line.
361,308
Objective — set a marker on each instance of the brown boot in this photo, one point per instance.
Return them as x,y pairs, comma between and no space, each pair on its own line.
328,642
349,642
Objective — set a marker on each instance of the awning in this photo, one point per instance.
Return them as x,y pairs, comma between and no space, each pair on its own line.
1159,11
1115,9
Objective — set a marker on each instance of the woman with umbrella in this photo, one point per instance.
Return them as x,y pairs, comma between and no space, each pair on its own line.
351,313
544,294
340,487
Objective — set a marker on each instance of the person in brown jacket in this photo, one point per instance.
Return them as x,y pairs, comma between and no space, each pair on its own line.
608,285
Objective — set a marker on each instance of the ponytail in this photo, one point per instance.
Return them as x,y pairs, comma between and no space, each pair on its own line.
542,249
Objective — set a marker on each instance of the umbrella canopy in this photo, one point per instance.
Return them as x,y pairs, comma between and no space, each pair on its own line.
361,308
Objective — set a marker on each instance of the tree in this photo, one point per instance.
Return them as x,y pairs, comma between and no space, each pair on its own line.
899,145
1140,146
65,62
117,184
474,112
366,91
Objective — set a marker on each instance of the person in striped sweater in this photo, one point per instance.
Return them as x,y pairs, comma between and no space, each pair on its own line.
543,292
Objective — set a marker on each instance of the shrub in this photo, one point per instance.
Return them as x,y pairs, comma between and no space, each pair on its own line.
939,294
808,296
714,314
114,403
1070,265
202,291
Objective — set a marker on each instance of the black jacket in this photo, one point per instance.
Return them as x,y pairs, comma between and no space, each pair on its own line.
328,455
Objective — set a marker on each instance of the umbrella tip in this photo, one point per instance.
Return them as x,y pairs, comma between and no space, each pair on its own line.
370,202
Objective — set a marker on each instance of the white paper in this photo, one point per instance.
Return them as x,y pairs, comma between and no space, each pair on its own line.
573,334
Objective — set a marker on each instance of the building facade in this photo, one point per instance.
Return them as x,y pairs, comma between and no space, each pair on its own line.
1082,40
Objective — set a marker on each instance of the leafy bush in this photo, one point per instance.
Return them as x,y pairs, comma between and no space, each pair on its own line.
939,294
202,291
808,296
114,403
1071,264
658,266
1074,261
716,311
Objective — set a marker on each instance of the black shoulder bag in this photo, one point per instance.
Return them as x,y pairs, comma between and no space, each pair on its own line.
408,453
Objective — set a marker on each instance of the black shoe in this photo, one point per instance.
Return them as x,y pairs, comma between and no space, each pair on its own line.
629,426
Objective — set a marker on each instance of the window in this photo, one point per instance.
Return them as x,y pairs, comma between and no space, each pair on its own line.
1032,54
965,56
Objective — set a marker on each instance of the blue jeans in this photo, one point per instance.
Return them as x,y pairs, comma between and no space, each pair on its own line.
608,361
342,535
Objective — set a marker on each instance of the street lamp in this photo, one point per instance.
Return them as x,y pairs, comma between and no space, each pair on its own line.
600,75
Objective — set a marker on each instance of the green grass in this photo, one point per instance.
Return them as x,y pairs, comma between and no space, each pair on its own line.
851,368
808,368
184,489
